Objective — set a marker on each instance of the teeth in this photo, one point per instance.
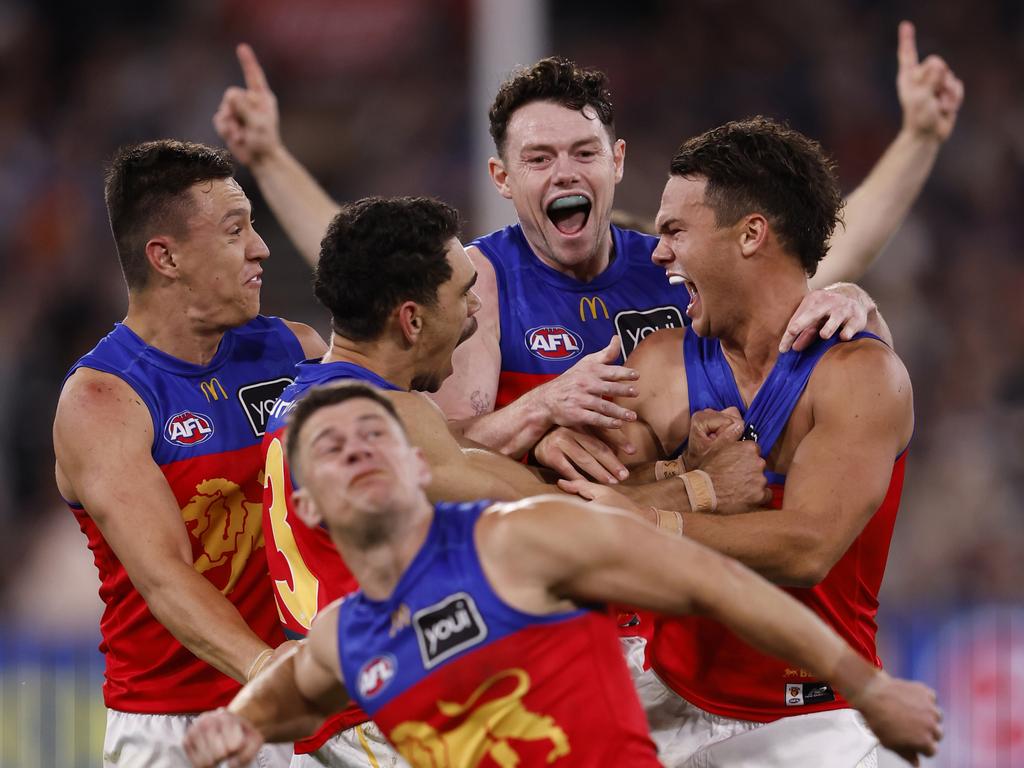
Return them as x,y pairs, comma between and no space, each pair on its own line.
572,201
676,279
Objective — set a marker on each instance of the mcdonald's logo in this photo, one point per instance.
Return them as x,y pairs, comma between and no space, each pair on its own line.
592,303
213,390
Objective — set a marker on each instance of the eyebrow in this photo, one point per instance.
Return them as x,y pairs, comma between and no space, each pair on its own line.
547,146
330,431
239,211
664,225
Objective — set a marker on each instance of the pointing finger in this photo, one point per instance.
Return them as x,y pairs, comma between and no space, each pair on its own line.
906,49
255,80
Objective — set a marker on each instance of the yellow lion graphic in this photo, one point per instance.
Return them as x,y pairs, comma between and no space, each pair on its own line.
485,731
228,526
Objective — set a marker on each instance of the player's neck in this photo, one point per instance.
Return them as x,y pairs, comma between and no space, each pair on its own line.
392,365
583,271
173,331
750,342
379,567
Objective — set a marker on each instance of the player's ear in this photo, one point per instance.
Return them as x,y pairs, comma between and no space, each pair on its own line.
619,157
160,253
306,508
423,474
752,231
410,320
499,176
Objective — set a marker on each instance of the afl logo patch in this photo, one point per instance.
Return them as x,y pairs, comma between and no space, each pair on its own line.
376,674
553,342
188,428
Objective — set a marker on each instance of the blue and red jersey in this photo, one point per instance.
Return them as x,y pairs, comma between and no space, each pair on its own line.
207,424
453,675
700,659
307,571
549,320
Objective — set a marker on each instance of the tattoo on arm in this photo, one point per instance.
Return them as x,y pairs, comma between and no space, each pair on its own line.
481,403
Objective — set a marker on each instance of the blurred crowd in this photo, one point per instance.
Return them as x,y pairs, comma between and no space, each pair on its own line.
374,100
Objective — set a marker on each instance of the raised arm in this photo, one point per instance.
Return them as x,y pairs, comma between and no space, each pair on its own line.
930,96
102,436
248,122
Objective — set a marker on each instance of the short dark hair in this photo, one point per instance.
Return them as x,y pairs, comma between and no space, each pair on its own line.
762,165
552,79
379,252
324,396
145,189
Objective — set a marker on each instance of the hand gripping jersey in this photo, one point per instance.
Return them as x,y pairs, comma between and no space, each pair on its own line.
307,571
207,425
455,677
549,320
707,664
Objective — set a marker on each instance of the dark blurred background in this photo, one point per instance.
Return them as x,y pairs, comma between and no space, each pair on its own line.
378,98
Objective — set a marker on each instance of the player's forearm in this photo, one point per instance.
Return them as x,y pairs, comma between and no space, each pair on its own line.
274,705
511,474
663,494
877,208
202,619
512,430
781,546
301,205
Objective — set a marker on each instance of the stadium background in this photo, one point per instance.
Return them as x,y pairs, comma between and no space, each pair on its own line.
379,98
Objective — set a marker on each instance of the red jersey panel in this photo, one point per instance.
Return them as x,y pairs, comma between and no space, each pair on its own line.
207,423
711,667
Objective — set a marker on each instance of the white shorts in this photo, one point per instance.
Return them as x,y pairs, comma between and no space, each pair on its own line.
361,747
154,741
689,737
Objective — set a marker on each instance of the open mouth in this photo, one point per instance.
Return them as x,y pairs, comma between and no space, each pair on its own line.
569,214
694,305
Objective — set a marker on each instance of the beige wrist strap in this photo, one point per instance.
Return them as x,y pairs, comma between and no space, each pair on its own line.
700,490
259,663
668,468
669,520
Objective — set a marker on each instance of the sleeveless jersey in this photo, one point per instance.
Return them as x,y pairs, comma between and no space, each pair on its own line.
699,658
454,676
207,425
549,320
306,569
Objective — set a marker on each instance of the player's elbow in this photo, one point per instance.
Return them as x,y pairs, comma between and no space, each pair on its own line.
806,569
807,560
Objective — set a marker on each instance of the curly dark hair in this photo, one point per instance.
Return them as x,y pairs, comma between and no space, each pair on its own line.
379,252
552,79
763,165
145,189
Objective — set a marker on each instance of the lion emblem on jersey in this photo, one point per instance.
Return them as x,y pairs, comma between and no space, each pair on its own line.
484,732
226,525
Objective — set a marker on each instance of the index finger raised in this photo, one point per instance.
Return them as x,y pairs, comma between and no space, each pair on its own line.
906,48
255,80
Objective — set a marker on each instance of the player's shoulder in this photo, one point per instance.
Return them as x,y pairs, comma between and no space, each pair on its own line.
530,521
663,347
867,357
95,407
862,368
311,341
88,390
